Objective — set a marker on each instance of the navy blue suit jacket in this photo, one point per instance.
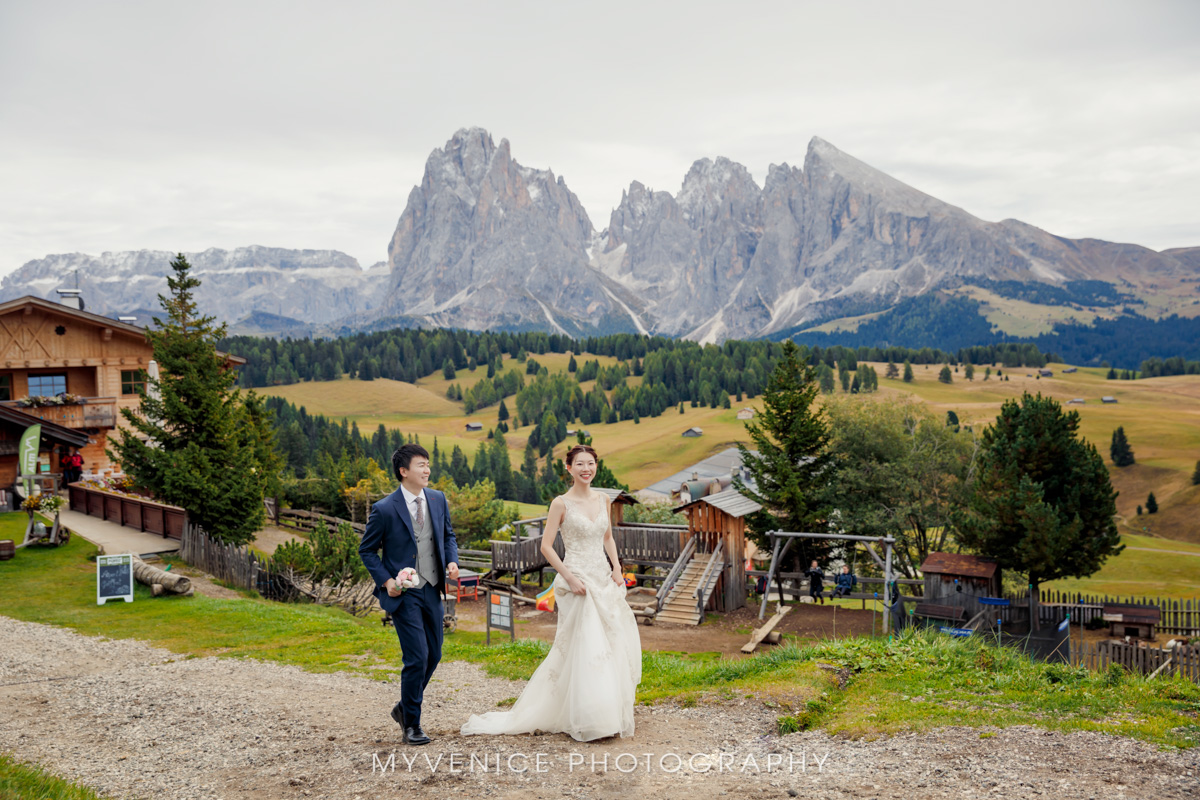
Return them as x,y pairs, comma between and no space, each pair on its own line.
390,530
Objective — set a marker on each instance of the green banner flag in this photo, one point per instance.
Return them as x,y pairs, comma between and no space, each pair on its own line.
27,454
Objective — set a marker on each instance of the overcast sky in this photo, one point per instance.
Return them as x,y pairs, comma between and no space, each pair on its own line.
183,126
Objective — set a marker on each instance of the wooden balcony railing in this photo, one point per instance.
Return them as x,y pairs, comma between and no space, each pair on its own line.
94,412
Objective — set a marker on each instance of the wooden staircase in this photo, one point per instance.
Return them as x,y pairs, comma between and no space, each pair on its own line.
681,604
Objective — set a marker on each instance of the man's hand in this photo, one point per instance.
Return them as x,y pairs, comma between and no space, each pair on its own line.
392,589
452,571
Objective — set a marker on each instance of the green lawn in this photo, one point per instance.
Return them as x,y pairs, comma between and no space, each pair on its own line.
24,781
981,685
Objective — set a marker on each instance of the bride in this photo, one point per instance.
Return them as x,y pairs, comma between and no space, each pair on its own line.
585,686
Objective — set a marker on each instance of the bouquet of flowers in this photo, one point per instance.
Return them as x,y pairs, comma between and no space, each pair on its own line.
406,578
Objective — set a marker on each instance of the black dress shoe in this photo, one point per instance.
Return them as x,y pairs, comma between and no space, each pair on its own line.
414,735
398,715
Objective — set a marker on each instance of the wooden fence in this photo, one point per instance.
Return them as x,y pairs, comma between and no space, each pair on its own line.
1177,616
1183,661
307,520
236,565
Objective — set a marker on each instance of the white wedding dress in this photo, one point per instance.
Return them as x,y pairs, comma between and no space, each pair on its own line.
585,687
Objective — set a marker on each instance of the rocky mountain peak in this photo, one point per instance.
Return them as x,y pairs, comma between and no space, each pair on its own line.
712,186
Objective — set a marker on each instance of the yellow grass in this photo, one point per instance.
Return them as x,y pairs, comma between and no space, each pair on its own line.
1020,318
383,397
1161,417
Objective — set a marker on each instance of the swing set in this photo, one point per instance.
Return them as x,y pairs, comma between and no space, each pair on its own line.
781,542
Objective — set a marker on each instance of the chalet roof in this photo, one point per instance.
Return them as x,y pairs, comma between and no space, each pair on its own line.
731,501
959,564
618,495
50,430
87,317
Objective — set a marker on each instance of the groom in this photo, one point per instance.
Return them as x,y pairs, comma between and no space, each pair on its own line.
412,527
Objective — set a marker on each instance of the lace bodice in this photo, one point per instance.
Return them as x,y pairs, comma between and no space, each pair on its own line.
583,536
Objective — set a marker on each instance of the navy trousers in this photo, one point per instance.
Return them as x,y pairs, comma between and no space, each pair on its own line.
418,623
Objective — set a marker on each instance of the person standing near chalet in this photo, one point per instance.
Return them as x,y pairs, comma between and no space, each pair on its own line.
816,582
72,467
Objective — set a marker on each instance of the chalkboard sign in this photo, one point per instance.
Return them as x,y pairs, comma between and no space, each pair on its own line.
114,578
500,615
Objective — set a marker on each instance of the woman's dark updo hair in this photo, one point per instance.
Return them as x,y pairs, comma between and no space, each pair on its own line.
576,450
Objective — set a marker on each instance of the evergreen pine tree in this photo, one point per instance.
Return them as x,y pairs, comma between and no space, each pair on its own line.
448,369
502,412
892,371
908,371
944,376
1151,504
1120,451
789,435
969,372
196,441
551,484
1196,475
571,365
1042,502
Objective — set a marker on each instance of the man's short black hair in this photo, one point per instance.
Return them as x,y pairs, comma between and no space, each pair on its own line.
404,456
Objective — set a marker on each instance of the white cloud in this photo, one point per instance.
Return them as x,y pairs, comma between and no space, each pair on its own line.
127,125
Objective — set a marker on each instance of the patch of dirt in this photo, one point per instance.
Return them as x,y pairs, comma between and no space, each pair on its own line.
270,537
719,633
134,721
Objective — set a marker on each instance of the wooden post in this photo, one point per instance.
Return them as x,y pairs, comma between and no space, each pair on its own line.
887,586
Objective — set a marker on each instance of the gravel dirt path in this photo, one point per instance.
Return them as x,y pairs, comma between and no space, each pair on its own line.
134,721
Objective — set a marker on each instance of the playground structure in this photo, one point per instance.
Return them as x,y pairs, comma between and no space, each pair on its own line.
780,542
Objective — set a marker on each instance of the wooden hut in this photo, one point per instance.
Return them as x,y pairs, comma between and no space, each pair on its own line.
620,499
957,580
691,433
1131,619
721,518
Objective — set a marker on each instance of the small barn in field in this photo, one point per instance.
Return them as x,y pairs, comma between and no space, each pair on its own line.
474,426
692,433
746,413
720,519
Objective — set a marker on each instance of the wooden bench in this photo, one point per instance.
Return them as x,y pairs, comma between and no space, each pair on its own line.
935,611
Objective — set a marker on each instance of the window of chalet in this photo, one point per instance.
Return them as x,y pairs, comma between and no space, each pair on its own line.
133,381
47,385
6,387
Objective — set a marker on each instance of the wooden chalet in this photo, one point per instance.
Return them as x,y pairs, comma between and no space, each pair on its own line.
92,366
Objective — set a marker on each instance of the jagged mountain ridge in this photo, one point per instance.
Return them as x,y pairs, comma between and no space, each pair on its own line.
487,243
484,242
317,287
